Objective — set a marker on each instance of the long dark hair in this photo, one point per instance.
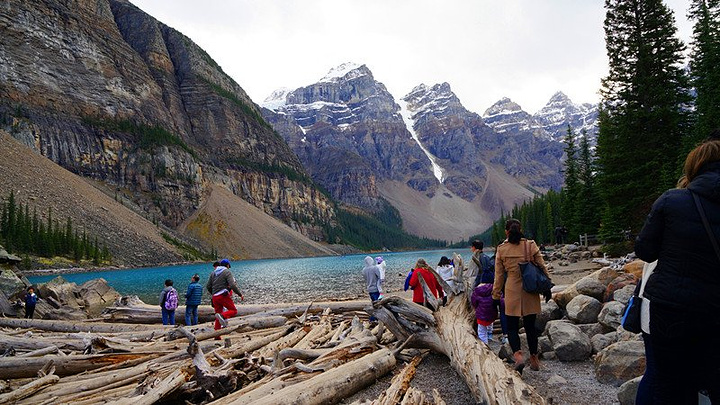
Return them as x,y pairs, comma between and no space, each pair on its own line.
514,229
444,261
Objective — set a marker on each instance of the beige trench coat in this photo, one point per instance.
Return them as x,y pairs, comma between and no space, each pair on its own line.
507,259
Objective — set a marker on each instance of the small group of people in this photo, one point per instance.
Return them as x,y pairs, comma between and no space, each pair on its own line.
497,289
221,285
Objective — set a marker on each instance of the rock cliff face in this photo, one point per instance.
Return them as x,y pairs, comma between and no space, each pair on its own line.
349,134
110,93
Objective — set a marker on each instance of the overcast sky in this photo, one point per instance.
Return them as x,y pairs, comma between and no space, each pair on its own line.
486,49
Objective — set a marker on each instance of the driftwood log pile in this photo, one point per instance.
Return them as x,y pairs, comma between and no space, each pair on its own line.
316,354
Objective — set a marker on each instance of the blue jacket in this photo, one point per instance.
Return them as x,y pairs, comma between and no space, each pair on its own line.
194,294
686,276
31,299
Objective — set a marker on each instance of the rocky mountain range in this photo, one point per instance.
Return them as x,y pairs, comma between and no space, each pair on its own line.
449,171
114,96
111,94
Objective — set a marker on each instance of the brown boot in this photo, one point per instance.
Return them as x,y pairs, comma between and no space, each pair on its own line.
534,362
519,361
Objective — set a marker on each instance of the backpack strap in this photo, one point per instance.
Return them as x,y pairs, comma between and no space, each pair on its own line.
709,231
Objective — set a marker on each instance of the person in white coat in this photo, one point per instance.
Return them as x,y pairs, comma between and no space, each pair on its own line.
644,395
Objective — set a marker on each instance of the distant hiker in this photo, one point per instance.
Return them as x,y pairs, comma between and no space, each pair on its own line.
485,310
560,232
446,270
30,302
221,284
192,300
683,288
481,267
407,279
371,274
423,270
168,303
518,302
382,266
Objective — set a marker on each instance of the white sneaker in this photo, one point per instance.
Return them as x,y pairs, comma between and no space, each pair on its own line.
223,321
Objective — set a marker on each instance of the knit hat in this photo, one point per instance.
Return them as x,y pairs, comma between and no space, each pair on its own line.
225,262
378,259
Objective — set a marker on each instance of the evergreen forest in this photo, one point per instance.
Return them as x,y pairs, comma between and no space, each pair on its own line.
656,106
27,234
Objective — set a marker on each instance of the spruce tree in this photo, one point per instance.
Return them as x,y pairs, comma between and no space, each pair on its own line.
572,184
642,112
705,67
588,206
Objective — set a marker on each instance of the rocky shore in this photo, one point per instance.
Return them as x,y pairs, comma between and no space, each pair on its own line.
585,352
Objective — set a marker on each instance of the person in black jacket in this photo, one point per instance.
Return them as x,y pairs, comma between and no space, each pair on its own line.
684,289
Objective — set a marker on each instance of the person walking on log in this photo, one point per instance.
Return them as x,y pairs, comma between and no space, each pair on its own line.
30,302
221,285
193,296
423,270
518,302
682,232
168,303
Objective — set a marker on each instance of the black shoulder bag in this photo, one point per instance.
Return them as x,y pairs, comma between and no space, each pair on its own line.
534,279
709,231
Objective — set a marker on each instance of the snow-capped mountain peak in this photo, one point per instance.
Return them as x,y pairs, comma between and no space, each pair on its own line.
346,69
276,99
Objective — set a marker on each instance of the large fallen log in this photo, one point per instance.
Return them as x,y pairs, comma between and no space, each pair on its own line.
489,379
24,367
339,382
28,389
75,326
149,314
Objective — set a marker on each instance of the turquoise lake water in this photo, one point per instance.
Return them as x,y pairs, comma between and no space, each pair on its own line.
270,280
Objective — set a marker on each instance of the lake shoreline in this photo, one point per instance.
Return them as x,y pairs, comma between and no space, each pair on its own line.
76,270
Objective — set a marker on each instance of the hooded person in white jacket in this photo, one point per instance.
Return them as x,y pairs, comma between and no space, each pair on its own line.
382,266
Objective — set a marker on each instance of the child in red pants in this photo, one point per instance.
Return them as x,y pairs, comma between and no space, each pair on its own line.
221,284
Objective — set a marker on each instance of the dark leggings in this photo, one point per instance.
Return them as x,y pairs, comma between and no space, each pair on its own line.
513,326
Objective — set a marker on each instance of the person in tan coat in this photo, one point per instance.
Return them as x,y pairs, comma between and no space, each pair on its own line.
518,302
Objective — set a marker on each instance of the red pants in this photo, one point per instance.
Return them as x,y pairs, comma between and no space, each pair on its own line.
219,302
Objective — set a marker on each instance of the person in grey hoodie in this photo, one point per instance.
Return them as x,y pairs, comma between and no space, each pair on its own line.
221,284
372,275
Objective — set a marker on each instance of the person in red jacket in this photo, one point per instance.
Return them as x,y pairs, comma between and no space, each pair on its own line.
422,269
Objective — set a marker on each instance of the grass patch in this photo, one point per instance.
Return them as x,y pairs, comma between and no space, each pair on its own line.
149,137
189,252
249,111
288,172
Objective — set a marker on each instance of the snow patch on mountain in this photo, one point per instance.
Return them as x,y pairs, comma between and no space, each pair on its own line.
349,68
406,115
276,99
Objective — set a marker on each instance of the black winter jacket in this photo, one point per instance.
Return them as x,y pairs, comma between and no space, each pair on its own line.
688,272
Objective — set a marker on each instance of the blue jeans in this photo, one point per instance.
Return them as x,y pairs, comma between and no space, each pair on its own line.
191,316
168,316
374,297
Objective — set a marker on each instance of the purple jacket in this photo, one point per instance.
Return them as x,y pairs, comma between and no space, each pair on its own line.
481,299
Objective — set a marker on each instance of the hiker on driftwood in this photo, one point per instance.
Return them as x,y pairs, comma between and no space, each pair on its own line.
193,296
168,303
221,285
30,302
518,302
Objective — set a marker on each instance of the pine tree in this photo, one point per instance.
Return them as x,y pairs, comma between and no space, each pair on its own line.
588,205
10,223
572,184
705,67
644,98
